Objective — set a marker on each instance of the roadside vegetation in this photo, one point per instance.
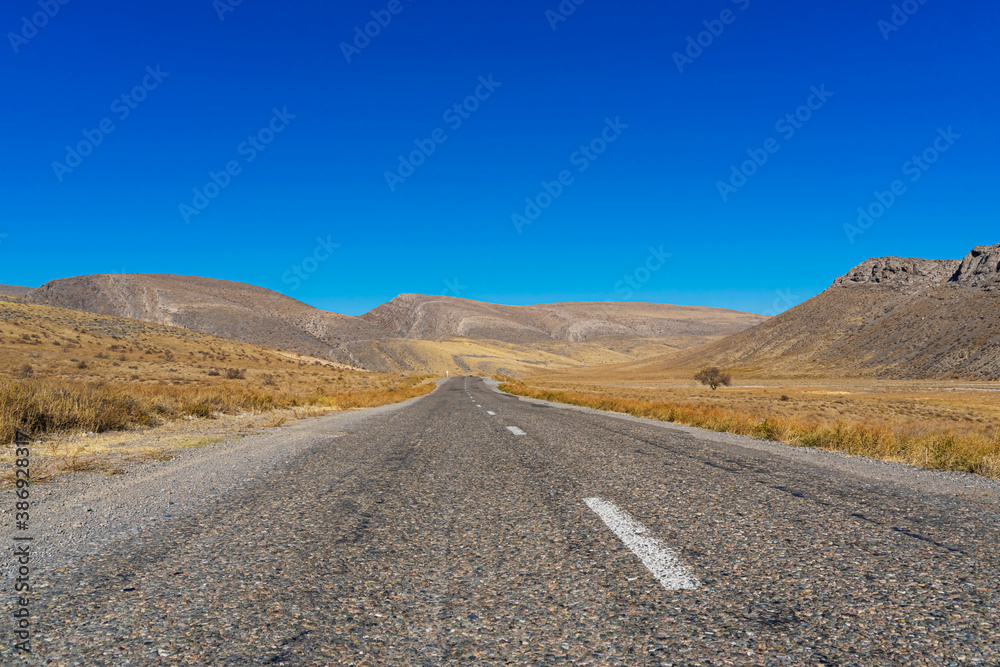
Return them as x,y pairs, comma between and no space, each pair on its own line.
969,445
40,407
66,374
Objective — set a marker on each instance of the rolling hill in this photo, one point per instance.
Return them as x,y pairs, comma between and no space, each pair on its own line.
409,333
421,317
889,317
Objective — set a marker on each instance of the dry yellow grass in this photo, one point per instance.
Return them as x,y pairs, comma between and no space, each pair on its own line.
921,425
64,372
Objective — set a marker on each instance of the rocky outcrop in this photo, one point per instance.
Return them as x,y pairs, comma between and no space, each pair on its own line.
900,272
980,268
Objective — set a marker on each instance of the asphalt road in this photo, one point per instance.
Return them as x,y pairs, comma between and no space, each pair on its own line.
436,534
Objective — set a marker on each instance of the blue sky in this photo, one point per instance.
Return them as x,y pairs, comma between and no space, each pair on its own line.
261,95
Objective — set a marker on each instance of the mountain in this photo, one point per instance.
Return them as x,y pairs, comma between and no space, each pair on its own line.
409,333
890,317
218,307
15,291
438,318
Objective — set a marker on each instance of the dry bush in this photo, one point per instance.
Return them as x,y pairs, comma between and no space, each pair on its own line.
38,407
235,374
931,447
714,378
42,406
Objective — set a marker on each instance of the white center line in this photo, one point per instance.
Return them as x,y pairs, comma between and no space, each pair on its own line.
515,430
490,412
660,559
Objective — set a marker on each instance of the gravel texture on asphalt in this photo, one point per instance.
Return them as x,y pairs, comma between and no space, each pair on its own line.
429,533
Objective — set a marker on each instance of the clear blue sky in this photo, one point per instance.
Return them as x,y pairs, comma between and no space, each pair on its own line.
447,226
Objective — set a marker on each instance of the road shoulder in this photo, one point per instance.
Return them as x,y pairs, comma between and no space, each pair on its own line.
979,490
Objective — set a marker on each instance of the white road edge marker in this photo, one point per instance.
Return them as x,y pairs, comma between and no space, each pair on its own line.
515,430
660,559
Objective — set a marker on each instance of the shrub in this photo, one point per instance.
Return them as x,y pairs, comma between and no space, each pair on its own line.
24,372
82,365
235,374
214,373
714,378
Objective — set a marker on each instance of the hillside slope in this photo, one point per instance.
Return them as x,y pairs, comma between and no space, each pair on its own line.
439,318
15,291
889,317
218,307
410,333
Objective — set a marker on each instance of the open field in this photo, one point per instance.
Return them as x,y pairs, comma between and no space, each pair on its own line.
939,425
65,373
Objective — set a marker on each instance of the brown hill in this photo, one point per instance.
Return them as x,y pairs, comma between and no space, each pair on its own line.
422,317
15,291
218,307
890,317
410,333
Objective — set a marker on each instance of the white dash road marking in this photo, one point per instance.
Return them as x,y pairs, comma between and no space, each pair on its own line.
490,412
515,430
656,556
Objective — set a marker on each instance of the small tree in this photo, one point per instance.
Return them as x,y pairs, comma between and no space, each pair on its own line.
714,378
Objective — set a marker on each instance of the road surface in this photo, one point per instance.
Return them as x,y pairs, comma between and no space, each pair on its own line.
474,528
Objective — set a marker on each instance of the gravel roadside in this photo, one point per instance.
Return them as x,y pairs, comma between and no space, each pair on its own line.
74,513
